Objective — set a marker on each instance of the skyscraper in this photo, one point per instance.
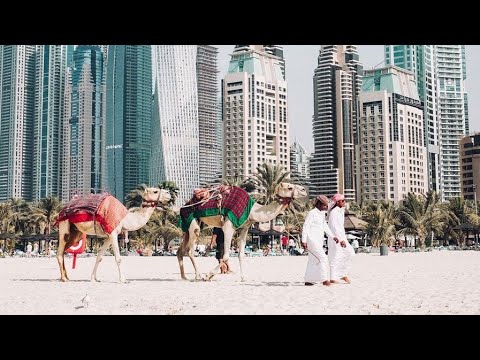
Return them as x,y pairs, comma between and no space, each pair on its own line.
277,50
336,84
209,116
128,117
83,140
17,98
254,98
299,161
391,152
51,62
175,129
470,167
440,73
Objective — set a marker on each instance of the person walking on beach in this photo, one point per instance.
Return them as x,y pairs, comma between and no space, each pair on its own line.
313,235
340,252
219,239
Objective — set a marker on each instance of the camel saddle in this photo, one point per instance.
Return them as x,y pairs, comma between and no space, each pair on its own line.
231,201
102,208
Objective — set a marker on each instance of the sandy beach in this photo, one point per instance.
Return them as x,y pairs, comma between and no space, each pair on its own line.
437,282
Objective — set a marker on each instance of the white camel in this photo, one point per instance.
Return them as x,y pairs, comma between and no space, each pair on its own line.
284,194
70,232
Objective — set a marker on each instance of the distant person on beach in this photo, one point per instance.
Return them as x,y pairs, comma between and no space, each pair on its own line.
313,235
340,252
29,249
218,240
267,250
284,243
35,249
355,245
291,246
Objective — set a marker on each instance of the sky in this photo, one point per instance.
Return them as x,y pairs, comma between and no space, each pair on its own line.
301,61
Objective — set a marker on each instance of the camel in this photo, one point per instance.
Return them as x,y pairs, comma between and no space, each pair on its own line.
285,193
75,225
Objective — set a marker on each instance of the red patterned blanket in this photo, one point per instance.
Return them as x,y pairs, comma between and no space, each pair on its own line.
236,205
102,208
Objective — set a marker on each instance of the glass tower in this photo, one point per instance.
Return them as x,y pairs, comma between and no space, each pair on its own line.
128,117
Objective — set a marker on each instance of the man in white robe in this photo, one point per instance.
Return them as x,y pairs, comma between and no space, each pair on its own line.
340,252
313,237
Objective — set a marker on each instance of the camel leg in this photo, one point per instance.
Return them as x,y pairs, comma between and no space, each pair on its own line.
180,253
118,259
191,255
228,231
242,240
67,236
102,250
63,230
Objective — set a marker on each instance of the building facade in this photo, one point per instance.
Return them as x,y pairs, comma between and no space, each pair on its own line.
128,117
83,133
175,127
470,166
391,152
17,113
210,132
336,84
299,161
255,116
51,64
440,73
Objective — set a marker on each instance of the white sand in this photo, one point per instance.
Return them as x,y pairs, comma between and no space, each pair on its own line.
438,282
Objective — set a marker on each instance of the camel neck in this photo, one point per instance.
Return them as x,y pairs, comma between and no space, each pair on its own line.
138,217
263,213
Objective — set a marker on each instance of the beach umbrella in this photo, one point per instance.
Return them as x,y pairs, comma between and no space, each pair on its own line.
354,223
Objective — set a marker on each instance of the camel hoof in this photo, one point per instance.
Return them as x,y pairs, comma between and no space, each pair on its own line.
184,278
123,281
94,280
64,279
243,279
209,277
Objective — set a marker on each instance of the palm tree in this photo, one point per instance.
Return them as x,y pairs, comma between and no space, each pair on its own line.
47,210
134,197
266,179
381,218
422,215
172,188
6,214
460,212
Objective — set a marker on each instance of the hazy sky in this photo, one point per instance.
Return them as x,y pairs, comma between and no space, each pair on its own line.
301,60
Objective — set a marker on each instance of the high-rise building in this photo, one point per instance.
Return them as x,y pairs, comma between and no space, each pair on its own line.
209,116
336,84
440,73
17,98
452,115
128,117
391,152
277,50
51,63
299,161
470,166
83,138
175,128
254,98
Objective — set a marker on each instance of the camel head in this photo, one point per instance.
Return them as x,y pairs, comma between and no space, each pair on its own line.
286,192
152,197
